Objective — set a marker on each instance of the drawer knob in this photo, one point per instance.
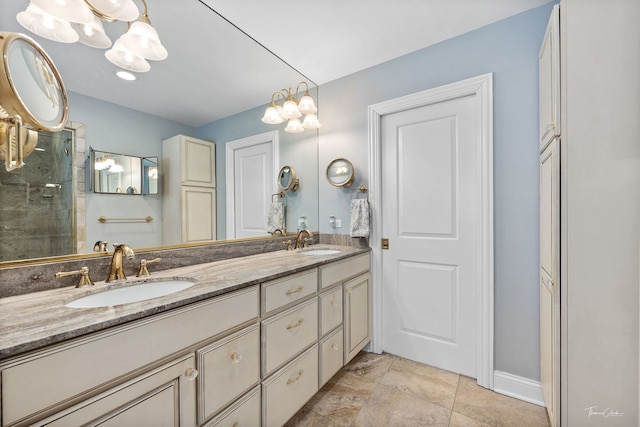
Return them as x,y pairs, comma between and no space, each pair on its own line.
235,424
297,324
294,291
235,357
293,380
191,374
335,346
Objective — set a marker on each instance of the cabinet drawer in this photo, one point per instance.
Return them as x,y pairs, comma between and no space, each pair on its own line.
290,388
228,368
161,397
288,333
331,356
244,413
330,310
38,381
339,271
280,293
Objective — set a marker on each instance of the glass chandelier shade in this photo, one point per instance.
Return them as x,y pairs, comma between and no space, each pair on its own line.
142,40
46,25
272,115
67,10
290,109
120,56
294,126
306,104
92,34
311,122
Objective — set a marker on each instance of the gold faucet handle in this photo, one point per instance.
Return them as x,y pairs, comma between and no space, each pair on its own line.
85,280
287,244
143,272
307,241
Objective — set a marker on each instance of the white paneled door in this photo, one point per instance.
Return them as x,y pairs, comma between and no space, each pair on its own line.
431,213
250,184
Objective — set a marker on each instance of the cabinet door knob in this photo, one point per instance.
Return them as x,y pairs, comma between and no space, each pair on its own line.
335,346
295,325
235,424
191,374
235,357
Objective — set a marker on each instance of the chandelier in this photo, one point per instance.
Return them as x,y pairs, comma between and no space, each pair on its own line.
70,21
285,106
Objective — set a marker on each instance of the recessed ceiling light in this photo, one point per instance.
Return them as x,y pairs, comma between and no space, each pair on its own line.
125,75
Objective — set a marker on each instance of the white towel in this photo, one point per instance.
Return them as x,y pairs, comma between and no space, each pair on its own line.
359,218
275,219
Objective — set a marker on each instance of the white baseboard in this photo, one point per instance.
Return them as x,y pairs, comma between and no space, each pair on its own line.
518,387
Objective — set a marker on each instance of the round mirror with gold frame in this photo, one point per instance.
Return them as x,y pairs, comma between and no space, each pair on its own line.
30,85
287,179
31,93
340,173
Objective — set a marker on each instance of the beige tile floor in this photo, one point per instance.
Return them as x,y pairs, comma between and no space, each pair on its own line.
385,390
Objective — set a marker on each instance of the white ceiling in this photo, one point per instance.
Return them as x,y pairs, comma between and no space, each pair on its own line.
213,70
329,39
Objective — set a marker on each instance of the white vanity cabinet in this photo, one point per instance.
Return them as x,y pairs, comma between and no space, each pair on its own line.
249,357
122,362
189,190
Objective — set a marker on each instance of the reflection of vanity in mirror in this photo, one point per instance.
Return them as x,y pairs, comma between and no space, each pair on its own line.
109,116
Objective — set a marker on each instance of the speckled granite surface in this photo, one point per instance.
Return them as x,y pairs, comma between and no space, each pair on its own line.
38,319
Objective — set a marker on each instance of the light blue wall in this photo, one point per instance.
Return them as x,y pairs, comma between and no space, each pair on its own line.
509,50
116,129
299,151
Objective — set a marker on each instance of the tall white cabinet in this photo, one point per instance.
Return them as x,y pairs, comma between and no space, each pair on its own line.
590,214
189,190
549,282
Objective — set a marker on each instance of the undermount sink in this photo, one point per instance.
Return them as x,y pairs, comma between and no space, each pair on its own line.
132,293
320,252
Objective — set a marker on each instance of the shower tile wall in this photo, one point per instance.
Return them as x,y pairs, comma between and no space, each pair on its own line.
37,220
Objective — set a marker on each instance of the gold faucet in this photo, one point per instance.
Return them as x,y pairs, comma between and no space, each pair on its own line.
116,272
302,242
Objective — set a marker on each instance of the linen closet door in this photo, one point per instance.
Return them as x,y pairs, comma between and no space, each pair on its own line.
549,274
549,132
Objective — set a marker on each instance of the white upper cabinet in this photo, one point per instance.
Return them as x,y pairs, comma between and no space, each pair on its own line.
549,75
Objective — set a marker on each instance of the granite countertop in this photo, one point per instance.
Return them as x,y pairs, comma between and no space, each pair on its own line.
35,320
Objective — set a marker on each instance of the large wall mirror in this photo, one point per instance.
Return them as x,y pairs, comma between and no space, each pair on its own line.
214,85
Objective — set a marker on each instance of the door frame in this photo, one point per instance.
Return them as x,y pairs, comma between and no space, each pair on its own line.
231,147
482,88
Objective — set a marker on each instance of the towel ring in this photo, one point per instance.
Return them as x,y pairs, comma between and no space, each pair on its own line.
279,195
362,189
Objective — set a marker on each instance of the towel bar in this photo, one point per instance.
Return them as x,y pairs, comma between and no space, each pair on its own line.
279,195
362,189
103,219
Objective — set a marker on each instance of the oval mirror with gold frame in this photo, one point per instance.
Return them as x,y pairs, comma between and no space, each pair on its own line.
340,173
287,179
